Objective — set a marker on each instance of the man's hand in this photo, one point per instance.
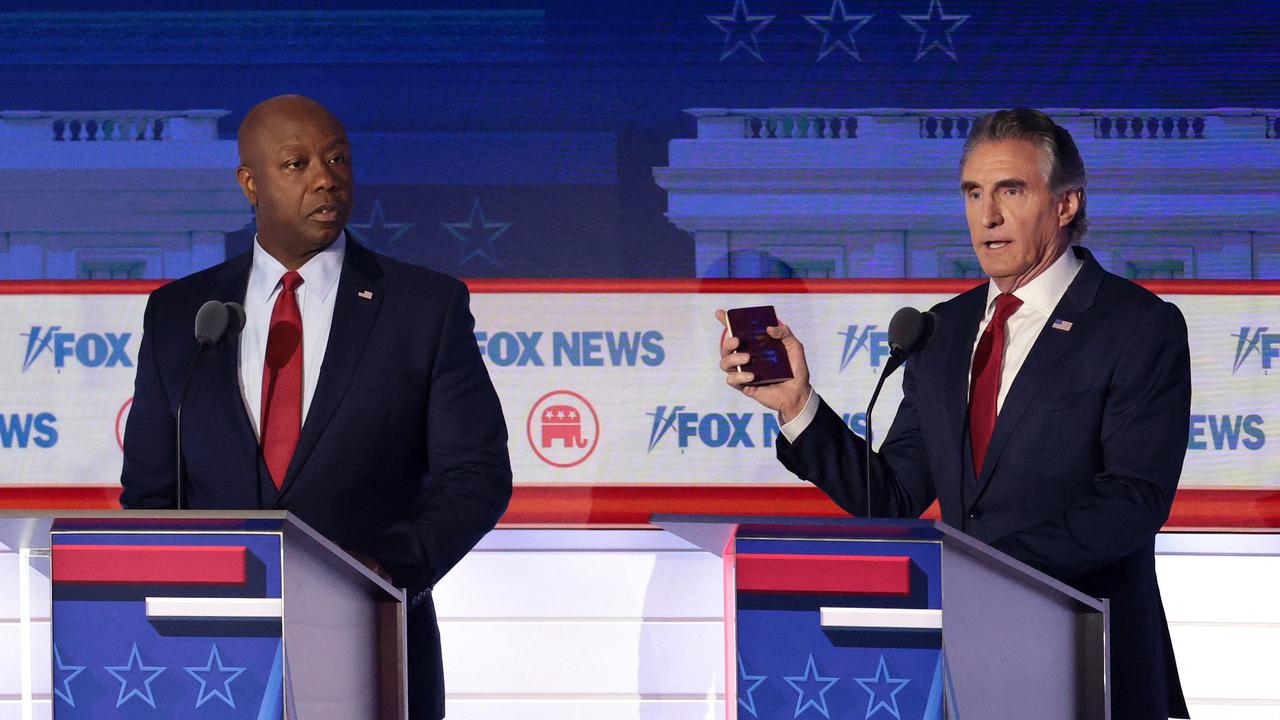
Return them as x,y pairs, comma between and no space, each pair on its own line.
786,398
372,565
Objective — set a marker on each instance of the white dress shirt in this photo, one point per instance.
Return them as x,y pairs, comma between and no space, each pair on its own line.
315,303
1039,298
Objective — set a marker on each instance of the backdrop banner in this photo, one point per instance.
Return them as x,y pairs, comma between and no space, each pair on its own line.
604,387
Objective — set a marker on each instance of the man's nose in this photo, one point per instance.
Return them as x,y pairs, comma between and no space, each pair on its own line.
325,177
991,216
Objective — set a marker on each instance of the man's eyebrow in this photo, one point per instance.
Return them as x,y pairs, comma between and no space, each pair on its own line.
1016,183
967,185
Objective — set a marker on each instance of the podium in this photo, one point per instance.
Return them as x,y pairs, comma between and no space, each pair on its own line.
201,614
896,620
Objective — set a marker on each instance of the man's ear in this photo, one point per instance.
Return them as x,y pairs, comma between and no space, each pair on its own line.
1068,205
244,176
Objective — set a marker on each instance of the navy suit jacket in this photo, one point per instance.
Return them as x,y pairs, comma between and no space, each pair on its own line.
403,453
1081,470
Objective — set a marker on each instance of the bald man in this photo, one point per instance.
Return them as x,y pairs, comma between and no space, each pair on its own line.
355,397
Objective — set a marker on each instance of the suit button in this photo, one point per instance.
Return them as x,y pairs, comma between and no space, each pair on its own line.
974,514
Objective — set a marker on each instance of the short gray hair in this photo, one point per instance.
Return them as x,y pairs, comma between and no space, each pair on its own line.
1062,165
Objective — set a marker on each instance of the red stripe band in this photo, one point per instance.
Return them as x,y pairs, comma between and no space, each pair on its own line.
149,564
825,574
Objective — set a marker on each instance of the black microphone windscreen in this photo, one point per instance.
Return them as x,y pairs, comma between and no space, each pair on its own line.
905,330
211,322
235,319
931,324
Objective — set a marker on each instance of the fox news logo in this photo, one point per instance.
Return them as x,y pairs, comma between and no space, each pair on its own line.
866,340
725,430
1256,341
17,431
591,348
1226,432
84,349
713,430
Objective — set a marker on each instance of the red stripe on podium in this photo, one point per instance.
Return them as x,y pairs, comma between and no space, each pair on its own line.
150,564
825,574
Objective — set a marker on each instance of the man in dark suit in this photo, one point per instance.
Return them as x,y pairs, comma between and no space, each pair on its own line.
1049,415
355,397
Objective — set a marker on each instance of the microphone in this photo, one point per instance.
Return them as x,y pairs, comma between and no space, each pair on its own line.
235,319
215,320
910,331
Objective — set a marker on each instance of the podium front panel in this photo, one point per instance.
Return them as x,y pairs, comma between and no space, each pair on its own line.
838,628
187,624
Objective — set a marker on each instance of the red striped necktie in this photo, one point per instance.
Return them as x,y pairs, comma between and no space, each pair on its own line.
282,381
984,383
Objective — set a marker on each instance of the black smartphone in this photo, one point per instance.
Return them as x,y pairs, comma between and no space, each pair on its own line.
769,361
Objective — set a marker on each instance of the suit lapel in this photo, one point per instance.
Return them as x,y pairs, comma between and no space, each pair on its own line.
1039,366
354,310
230,285
959,354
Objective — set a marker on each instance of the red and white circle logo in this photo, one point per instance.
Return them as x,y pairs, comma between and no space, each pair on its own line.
122,417
563,428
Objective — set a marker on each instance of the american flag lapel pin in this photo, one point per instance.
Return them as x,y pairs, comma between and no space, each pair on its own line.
368,295
1063,325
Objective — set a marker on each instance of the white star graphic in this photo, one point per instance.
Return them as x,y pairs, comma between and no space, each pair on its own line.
740,28
221,688
123,673
837,28
378,234
805,685
935,30
747,685
477,235
64,692
880,685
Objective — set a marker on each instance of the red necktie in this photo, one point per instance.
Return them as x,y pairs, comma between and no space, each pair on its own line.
984,382
282,381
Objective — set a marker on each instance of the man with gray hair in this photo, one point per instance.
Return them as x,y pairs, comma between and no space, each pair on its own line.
1049,415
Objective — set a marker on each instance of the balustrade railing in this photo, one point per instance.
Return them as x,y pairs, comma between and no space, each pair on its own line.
34,126
939,124
946,127
800,125
1152,127
76,128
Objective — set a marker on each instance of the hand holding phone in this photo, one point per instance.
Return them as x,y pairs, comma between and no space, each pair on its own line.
769,363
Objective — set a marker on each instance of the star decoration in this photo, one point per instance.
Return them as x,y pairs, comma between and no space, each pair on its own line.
72,671
135,668
378,234
477,235
935,30
743,680
740,29
806,685
881,686
223,693
837,29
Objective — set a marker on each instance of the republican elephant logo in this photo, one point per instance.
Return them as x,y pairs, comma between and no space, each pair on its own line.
563,428
562,422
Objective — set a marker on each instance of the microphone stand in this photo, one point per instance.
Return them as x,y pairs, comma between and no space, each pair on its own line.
896,358
191,373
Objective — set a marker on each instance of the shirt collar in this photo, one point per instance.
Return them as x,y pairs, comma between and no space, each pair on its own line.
319,274
1044,291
